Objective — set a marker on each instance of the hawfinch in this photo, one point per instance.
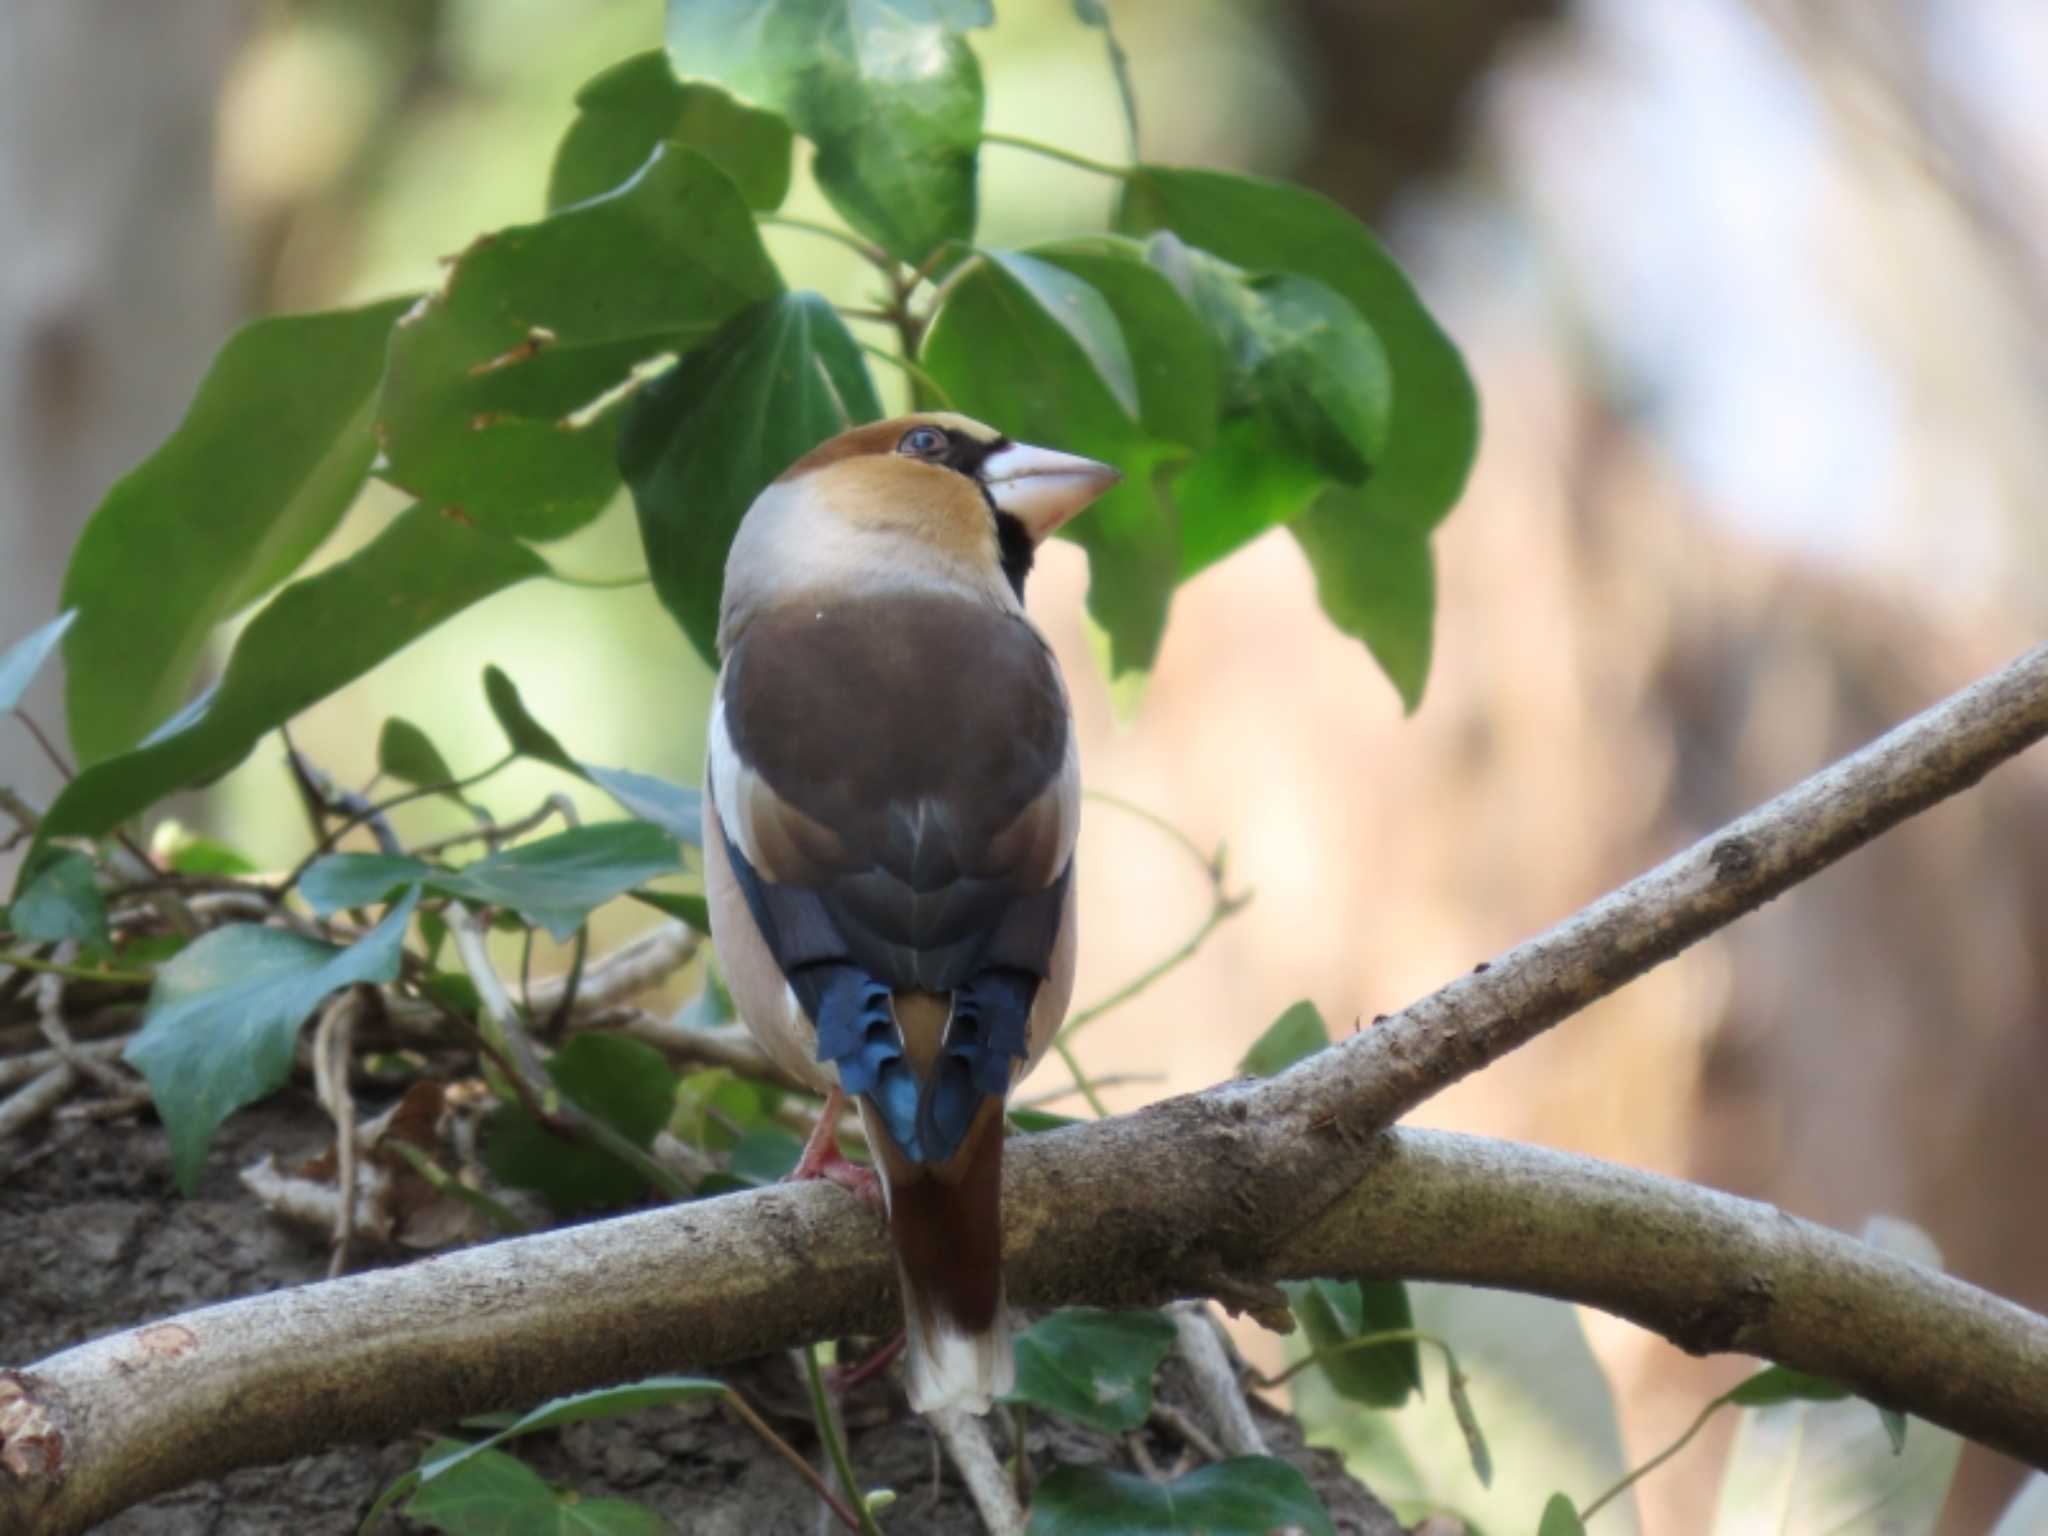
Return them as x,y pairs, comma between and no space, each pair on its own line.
889,861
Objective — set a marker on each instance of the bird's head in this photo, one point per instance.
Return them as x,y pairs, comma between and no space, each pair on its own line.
949,486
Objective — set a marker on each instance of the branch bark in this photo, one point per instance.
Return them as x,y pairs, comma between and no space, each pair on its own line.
1220,1193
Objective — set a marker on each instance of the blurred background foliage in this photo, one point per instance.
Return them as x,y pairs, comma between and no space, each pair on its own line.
1756,296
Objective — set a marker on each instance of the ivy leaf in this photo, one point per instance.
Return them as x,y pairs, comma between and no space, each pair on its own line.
25,658
491,1494
493,396
1560,1518
704,440
406,753
1298,1033
1092,1366
1781,1384
225,1012
1268,226
317,634
1244,1496
60,902
679,905
624,112
615,1078
1335,1312
1001,355
271,452
1368,545
675,808
887,90
1376,581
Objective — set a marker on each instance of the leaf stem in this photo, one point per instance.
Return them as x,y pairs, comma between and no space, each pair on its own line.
916,374
1073,1064
76,972
599,583
872,254
1350,1346
1657,1460
1054,152
1225,908
835,1446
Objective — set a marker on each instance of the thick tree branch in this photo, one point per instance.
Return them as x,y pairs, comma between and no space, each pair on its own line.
1218,1193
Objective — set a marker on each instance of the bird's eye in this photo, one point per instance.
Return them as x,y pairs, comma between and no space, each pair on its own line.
923,443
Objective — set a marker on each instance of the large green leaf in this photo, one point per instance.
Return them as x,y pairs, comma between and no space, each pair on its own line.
677,809
1001,355
1810,1458
1244,1496
272,451
554,882
490,402
492,1494
887,90
1092,1366
1335,1313
223,1016
314,636
1268,226
1368,544
704,440
1547,1408
619,1080
624,112
25,658
1376,581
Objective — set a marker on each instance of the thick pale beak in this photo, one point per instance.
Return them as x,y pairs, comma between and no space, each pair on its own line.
1041,488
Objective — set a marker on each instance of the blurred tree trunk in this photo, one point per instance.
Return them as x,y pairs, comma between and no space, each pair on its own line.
117,279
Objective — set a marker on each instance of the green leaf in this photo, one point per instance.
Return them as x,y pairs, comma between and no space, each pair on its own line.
887,90
1175,362
222,1019
579,1408
1335,1312
1001,356
60,901
25,658
314,636
1092,1366
490,401
1377,583
492,1494
1369,544
1244,1496
1298,1033
764,1156
1268,226
193,853
555,882
675,808
405,753
1082,312
1033,1121
613,1077
624,112
1808,1457
1547,1409
1781,1384
703,441
271,452
1561,1518
678,904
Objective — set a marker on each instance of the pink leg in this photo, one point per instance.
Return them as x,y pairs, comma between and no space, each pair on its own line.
822,1159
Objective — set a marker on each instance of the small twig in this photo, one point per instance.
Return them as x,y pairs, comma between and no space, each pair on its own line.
966,1440
24,813
833,1438
1081,1079
632,968
497,832
97,1066
788,1453
333,1044
1216,1380
1191,1434
25,1108
326,844
1635,1476
31,1064
1109,1080
872,254
558,1016
495,1211
75,972
50,751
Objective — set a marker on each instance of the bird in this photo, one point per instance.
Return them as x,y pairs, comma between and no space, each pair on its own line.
892,799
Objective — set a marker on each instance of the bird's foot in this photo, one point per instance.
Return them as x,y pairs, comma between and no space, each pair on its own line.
822,1159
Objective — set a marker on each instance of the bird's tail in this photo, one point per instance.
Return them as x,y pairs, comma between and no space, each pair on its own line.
946,1219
